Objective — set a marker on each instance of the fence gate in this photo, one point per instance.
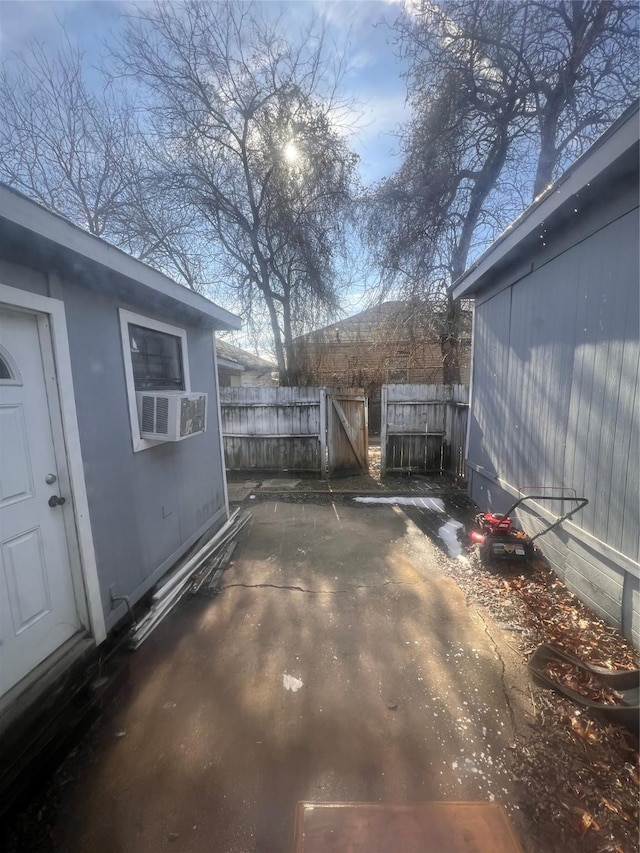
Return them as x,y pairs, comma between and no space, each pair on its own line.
347,431
423,428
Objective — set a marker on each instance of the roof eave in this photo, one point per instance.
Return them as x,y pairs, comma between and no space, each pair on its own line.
27,214
230,365
610,147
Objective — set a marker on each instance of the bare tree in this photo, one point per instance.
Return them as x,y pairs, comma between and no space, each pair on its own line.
582,61
79,152
58,143
244,125
467,103
492,86
159,228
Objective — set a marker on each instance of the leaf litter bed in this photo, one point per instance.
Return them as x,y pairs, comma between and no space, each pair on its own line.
582,682
578,775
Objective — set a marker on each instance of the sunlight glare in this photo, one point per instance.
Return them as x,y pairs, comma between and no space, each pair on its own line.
291,153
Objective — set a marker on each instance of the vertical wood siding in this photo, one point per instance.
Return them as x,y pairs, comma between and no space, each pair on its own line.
556,402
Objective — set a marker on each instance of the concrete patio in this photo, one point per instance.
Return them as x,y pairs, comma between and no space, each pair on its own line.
338,662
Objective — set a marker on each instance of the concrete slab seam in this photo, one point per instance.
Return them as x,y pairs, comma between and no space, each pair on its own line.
318,591
503,672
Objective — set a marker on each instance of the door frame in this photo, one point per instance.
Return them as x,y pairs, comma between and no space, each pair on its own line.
56,360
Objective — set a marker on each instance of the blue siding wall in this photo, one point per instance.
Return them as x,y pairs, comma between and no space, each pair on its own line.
555,402
146,508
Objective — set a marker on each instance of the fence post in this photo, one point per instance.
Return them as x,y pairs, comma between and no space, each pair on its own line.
366,429
322,428
225,486
383,431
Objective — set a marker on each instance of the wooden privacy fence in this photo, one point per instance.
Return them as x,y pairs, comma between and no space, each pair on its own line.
308,430
315,430
274,429
423,428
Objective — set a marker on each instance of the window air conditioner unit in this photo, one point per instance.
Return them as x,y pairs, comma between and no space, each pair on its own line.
171,415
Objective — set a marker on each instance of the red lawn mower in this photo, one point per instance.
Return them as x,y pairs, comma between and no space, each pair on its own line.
500,539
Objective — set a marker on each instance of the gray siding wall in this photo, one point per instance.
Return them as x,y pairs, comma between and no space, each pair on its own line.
555,401
146,508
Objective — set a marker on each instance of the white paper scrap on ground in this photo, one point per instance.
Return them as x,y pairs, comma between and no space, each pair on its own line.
290,682
435,504
448,533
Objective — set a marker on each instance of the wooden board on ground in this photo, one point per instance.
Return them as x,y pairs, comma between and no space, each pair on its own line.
404,828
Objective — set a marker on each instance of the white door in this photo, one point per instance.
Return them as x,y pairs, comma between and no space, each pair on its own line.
37,603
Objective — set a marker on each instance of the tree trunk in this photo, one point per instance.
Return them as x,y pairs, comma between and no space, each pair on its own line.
277,338
450,337
293,373
546,158
450,342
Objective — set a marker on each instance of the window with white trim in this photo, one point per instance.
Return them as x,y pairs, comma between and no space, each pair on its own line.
155,359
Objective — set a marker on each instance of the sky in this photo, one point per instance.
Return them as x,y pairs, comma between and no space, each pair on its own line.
372,79
373,76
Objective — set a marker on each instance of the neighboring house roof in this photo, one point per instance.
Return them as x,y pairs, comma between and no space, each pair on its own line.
239,359
395,316
35,233
613,155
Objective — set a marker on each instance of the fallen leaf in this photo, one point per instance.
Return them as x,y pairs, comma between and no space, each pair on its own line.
586,729
581,681
582,821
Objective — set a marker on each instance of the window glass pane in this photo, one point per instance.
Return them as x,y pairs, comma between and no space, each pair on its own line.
156,359
5,373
